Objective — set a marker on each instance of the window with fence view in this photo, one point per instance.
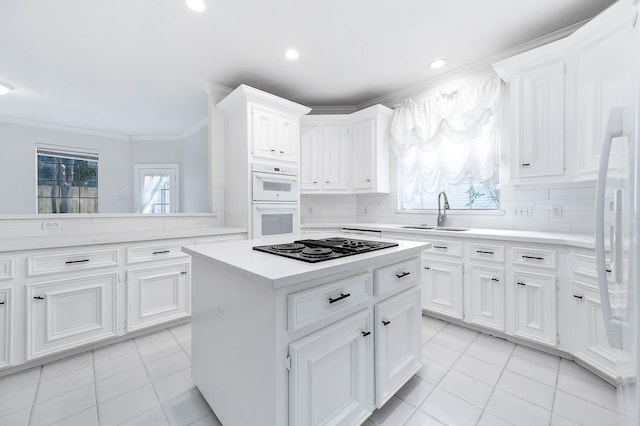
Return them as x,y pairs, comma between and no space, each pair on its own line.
67,181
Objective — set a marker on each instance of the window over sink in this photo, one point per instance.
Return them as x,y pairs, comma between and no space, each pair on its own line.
449,142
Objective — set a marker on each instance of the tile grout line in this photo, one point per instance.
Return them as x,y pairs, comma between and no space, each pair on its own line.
33,401
144,365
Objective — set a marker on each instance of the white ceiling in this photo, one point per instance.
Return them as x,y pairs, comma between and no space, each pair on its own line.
137,67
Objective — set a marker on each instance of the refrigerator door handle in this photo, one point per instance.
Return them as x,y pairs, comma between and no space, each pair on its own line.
612,325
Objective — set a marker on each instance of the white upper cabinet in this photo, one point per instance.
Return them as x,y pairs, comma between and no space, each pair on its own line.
535,111
345,153
274,135
560,95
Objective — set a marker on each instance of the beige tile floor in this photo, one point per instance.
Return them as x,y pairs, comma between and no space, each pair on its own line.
468,378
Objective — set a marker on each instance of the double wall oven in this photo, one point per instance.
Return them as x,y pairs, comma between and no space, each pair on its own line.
275,200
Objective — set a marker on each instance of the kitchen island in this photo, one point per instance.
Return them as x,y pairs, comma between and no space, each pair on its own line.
278,341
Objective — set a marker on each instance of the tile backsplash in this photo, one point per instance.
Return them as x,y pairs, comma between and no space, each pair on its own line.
575,200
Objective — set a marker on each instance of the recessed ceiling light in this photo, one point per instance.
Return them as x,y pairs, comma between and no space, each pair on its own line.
196,5
5,88
438,63
292,54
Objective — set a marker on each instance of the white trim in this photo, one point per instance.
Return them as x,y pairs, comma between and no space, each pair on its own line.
23,122
193,129
139,138
335,109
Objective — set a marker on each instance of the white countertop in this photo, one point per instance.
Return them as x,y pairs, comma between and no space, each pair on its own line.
574,240
277,271
34,243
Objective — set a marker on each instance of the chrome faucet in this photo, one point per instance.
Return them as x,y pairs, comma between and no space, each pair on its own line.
442,215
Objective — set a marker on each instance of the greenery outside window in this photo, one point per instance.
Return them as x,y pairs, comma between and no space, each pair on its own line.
67,180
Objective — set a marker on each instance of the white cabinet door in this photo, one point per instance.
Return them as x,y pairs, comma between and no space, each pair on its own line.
362,175
331,378
398,342
603,79
157,294
6,307
288,139
535,307
335,159
264,132
442,287
310,159
538,122
68,313
486,297
590,339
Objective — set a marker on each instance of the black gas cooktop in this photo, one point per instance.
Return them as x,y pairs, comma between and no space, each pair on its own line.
313,251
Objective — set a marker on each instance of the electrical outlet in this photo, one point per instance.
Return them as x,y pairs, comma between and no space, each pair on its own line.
201,221
221,312
50,224
556,212
523,211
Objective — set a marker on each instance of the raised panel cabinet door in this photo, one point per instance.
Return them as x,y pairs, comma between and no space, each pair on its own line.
540,122
157,294
335,158
331,378
398,342
6,329
264,132
591,343
288,141
310,159
442,284
486,294
362,154
72,312
604,79
535,307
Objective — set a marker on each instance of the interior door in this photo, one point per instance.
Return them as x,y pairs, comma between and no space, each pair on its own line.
157,188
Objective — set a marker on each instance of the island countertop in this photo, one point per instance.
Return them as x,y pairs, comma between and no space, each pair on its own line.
277,271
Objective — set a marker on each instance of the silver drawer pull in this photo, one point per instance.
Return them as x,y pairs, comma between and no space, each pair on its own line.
495,279
532,257
342,296
183,273
578,297
526,164
38,297
427,268
519,283
2,303
403,274
484,252
69,262
440,247
162,252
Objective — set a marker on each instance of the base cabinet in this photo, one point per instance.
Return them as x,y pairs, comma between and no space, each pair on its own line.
442,284
157,294
6,326
486,297
398,343
70,312
331,379
535,307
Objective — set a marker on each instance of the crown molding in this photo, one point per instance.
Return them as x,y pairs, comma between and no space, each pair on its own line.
193,129
41,125
335,109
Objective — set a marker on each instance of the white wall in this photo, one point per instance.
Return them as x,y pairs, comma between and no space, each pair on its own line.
18,166
195,174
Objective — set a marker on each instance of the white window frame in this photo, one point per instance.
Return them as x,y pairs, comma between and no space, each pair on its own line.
173,169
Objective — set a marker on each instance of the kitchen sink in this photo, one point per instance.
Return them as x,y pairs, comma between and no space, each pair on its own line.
435,228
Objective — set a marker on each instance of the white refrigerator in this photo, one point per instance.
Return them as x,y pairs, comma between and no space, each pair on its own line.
617,234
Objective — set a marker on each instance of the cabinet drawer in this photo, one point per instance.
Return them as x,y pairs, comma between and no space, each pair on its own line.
486,252
447,248
583,265
534,257
156,252
71,261
309,306
6,269
393,276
